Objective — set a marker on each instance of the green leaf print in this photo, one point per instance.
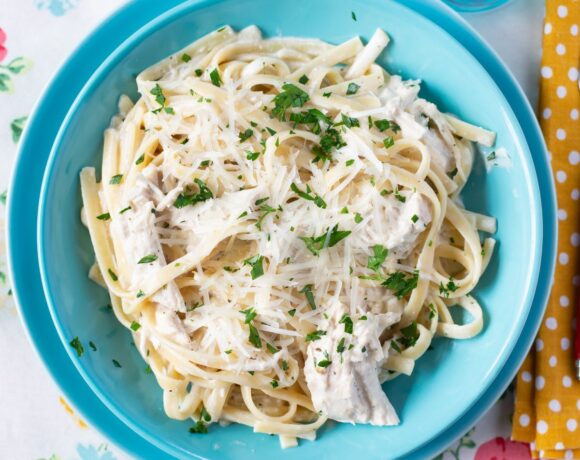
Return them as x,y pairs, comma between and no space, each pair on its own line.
6,84
17,126
19,65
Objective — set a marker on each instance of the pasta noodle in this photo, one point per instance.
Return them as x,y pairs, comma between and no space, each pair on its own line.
278,225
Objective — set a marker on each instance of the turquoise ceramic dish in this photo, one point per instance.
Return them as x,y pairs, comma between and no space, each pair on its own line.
455,80
23,206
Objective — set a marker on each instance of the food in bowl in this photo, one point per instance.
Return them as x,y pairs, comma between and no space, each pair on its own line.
279,225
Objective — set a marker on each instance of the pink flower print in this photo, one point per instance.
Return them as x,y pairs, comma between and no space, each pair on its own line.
503,449
3,50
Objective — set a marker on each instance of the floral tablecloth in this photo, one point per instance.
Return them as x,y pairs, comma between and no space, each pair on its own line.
36,422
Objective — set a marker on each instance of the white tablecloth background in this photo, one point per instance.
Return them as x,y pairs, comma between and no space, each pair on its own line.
35,421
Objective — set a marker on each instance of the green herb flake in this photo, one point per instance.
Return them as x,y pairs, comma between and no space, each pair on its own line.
198,72
135,326
410,335
198,428
340,347
256,263
401,283
445,289
358,218
491,156
350,122
204,414
307,291
382,125
105,216
379,256
215,78
185,57
347,321
388,142
398,195
140,294
113,275
159,96
115,180
271,348
292,312
140,160
274,383
78,346
327,240
415,218
303,79
324,363
148,259
317,199
124,210
344,210
326,94
203,194
227,352
395,347
352,89
254,337
349,162
314,336
290,96
244,136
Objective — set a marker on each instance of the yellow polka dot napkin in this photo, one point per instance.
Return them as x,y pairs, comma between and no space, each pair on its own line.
547,408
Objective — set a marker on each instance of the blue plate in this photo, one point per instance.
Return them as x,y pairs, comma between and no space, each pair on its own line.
23,206
458,372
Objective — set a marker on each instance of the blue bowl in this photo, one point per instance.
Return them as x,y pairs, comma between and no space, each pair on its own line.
457,372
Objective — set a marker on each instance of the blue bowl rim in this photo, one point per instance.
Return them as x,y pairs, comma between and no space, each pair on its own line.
128,45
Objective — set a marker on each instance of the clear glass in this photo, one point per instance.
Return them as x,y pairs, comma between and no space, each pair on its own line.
475,5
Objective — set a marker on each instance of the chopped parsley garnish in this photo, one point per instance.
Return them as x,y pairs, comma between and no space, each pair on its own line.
352,88
292,312
318,201
382,125
249,314
314,336
303,79
388,142
124,210
375,261
330,140
344,210
254,337
432,311
148,259
284,365
116,363
398,196
261,200
256,263
350,122
274,383
148,369
215,78
410,335
169,110
395,347
307,291
349,162
415,218
270,130
140,294
198,428
115,180
204,194
244,136
113,275
78,346
93,346
271,348
205,163
347,321
401,283
491,156
453,173
105,216
358,218
159,96
290,96
312,118
244,214
135,326
324,363
363,318
227,352
204,414
229,269
140,160
265,209
327,240
198,72
185,57
340,347
445,289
